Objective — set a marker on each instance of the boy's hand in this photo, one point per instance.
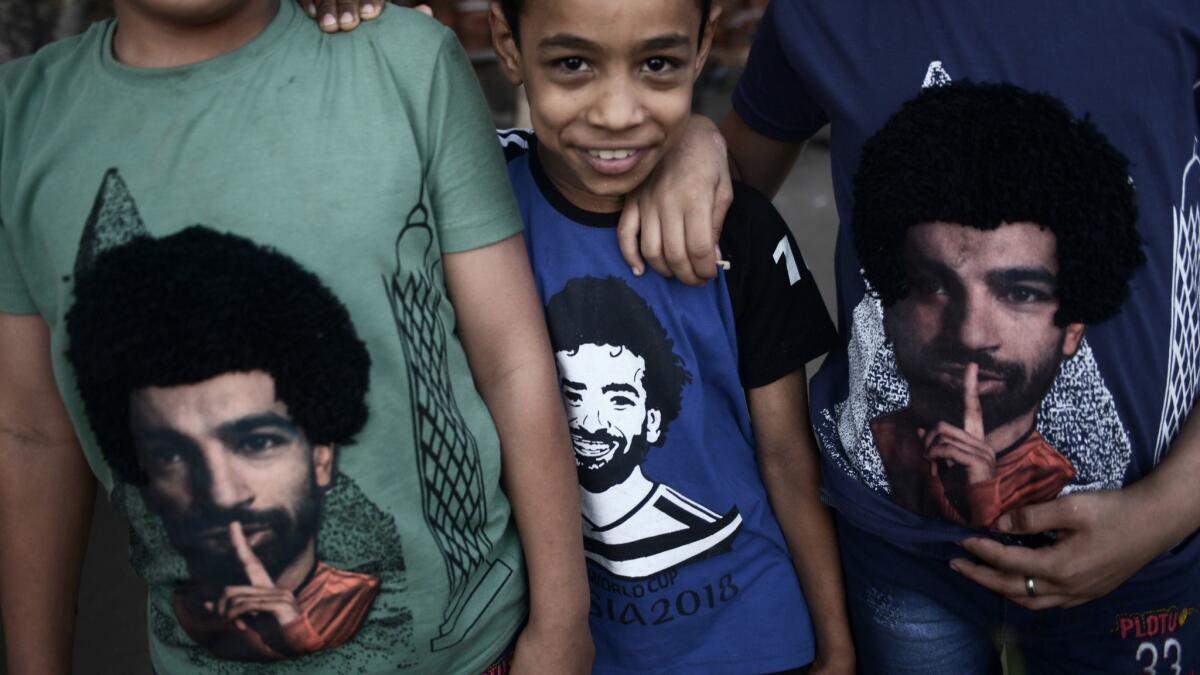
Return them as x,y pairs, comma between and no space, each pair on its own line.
335,15
563,651
674,219
1103,539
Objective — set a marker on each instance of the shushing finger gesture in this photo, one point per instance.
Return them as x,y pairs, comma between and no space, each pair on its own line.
966,445
238,603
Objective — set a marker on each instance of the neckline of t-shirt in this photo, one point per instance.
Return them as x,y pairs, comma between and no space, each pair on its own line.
194,75
559,201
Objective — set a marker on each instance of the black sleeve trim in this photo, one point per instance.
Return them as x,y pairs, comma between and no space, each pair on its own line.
515,142
781,321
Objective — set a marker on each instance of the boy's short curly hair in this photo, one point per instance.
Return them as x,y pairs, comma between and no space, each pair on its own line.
197,304
982,155
512,14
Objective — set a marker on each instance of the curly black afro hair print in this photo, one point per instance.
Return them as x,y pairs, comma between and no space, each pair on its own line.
589,310
194,305
986,154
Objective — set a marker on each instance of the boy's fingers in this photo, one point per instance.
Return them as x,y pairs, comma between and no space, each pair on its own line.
1056,514
371,9
424,9
676,251
701,243
651,242
1011,585
1013,559
972,410
327,15
628,231
255,572
347,12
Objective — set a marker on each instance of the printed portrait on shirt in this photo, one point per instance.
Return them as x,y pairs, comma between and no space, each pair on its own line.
993,227
222,381
622,386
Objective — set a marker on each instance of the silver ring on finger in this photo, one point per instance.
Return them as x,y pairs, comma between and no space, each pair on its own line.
1030,587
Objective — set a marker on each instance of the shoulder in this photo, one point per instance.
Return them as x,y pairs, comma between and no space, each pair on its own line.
406,30
410,45
751,223
38,71
749,202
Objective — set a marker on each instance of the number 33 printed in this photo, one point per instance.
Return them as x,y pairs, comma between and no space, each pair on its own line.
1171,649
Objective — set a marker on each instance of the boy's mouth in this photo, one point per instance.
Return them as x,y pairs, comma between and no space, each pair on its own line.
612,162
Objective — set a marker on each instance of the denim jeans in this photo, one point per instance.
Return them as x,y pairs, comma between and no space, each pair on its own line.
913,615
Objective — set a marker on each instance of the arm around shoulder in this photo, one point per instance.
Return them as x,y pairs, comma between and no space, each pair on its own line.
46,495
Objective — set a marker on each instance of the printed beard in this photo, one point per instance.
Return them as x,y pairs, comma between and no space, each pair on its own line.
214,561
597,478
931,401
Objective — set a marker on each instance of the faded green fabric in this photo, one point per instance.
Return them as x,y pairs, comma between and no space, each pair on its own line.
362,158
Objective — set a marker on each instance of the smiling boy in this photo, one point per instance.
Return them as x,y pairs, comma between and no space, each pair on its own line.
697,471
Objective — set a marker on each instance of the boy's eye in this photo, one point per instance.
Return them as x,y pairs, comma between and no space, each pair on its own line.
571,64
660,65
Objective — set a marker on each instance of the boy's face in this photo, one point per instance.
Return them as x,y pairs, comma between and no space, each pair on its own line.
609,85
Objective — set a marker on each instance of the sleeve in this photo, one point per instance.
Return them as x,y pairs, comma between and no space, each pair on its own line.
770,95
14,295
780,318
468,183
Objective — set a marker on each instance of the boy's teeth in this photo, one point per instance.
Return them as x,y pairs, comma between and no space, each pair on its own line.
611,154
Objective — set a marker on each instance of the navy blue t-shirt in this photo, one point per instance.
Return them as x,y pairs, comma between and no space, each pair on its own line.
689,570
1134,68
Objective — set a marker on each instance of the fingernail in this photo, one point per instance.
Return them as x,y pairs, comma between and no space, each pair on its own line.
347,18
1004,523
368,10
954,565
637,271
328,21
311,9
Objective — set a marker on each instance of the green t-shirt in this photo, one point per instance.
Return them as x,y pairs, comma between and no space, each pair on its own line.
240,263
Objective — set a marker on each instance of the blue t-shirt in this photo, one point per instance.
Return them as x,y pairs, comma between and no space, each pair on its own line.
1134,68
688,567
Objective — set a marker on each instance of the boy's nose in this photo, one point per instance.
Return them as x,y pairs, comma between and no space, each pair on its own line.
616,107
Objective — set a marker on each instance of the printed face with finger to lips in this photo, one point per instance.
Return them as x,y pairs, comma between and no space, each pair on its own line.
977,342
226,418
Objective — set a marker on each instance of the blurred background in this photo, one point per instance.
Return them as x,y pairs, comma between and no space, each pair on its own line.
110,634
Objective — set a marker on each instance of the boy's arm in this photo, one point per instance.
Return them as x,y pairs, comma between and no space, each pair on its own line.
46,493
503,331
678,211
790,468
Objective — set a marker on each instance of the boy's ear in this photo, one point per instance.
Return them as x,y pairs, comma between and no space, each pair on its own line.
508,53
710,30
